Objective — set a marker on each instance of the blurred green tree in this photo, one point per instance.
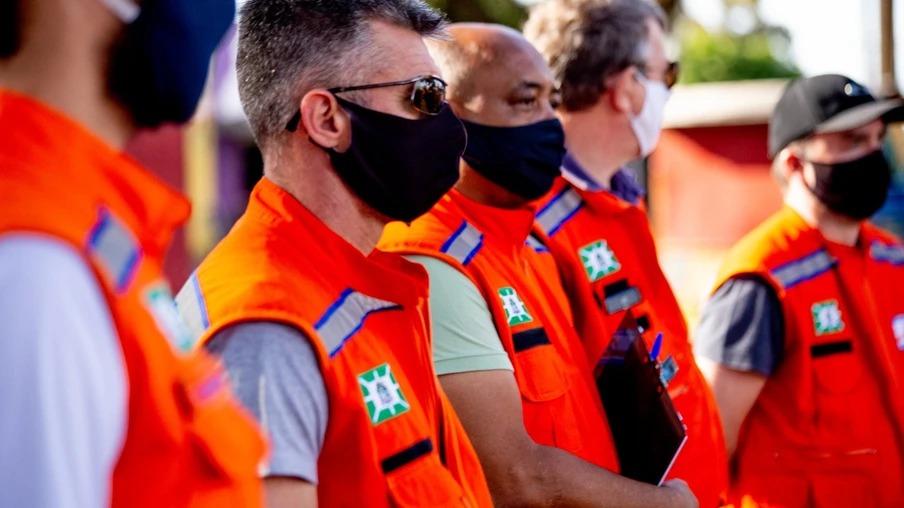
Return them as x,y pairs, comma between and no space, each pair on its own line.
506,12
722,56
742,47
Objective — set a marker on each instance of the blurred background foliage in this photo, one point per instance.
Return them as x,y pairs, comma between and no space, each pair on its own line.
743,47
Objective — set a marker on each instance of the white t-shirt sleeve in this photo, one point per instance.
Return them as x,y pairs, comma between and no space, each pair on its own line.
63,385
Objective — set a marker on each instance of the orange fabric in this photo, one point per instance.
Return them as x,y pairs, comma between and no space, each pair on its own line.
530,311
187,442
827,428
281,263
628,277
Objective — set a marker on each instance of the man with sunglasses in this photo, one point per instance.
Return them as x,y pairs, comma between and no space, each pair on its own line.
326,339
504,346
803,337
609,58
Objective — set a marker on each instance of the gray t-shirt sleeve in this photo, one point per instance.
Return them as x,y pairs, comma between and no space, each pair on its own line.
741,327
276,375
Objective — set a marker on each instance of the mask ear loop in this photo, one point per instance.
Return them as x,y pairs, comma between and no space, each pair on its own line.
125,10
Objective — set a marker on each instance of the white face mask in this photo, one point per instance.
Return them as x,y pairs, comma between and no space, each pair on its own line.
126,10
647,126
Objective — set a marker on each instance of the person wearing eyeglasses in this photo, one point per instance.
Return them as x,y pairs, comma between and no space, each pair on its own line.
327,340
609,58
802,339
504,345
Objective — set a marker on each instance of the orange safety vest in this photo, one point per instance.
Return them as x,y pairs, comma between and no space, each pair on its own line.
390,428
187,442
611,240
828,427
490,245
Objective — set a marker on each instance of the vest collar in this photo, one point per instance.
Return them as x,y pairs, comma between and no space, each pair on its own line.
812,235
378,274
75,170
503,226
603,202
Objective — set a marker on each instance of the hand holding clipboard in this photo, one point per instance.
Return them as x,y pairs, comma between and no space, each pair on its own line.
647,429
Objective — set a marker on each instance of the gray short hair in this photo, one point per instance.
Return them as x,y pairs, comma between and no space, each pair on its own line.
587,41
288,47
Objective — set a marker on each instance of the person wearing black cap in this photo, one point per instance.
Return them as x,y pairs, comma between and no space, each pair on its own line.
802,338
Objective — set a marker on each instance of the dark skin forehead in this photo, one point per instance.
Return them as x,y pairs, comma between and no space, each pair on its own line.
497,79
490,63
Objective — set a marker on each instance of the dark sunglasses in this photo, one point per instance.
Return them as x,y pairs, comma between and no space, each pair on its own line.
669,77
428,95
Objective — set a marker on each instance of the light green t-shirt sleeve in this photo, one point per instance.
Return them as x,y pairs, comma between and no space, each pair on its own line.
464,336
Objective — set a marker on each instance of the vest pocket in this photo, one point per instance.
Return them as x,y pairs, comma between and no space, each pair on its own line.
836,367
540,375
776,490
844,490
423,482
549,412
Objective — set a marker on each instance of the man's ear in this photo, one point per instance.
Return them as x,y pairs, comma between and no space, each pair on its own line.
790,163
620,91
324,121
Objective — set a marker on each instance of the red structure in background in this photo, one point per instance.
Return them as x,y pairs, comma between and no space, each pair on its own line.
161,151
709,180
711,185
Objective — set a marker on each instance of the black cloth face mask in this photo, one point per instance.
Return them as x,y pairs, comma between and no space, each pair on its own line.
400,167
856,189
525,160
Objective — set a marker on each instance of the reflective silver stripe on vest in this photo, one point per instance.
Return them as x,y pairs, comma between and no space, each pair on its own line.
557,212
535,244
464,243
345,318
795,272
623,300
893,254
113,247
192,307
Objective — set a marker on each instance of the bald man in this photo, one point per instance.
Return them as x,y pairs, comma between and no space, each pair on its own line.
501,317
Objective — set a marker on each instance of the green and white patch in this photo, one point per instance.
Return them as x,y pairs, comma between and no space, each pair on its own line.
382,394
515,310
599,260
827,317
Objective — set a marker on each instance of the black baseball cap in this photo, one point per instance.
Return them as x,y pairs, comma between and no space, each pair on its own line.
827,103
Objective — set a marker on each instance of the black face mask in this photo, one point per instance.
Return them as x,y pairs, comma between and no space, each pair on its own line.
856,189
10,25
159,67
524,160
400,167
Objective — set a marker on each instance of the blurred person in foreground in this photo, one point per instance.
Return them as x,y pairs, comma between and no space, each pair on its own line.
326,338
609,59
802,338
504,344
103,401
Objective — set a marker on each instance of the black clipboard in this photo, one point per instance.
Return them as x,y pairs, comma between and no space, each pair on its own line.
647,430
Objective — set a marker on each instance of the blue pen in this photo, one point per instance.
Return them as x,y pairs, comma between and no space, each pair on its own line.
657,345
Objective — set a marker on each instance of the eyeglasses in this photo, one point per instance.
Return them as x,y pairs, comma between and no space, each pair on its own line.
428,95
669,77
